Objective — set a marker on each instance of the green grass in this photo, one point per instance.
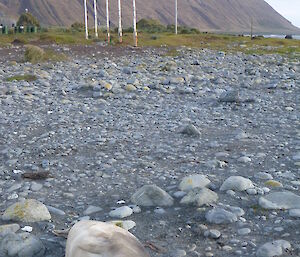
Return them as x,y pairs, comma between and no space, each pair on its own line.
227,43
26,77
52,36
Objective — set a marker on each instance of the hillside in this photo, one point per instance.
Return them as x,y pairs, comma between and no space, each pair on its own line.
213,15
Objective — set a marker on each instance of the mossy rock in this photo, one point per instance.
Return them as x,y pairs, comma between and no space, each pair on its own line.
125,224
130,87
29,210
273,183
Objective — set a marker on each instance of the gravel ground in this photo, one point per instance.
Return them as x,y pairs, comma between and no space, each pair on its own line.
105,125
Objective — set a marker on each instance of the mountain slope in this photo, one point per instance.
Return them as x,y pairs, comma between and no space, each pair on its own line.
212,15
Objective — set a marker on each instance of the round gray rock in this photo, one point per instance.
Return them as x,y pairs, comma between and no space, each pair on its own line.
237,183
190,130
152,195
121,212
272,249
21,245
280,200
193,181
220,216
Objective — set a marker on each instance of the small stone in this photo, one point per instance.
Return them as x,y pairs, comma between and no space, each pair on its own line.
244,231
36,186
190,130
151,195
121,212
91,210
295,213
179,194
244,159
200,197
125,224
135,208
263,175
231,96
27,229
236,183
272,249
27,211
212,233
160,211
242,135
127,70
296,157
193,181
230,192
273,183
236,210
14,187
227,248
69,195
178,253
278,229
130,87
55,211
251,191
108,86
9,228
220,216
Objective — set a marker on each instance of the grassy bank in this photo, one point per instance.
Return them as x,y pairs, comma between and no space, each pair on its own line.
220,42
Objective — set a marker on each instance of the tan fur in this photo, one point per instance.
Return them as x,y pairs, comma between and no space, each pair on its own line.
99,239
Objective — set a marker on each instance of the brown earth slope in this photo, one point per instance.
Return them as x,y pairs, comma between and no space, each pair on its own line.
212,15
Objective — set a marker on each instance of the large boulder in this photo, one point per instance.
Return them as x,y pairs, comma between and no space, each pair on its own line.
237,183
21,245
280,200
29,210
99,239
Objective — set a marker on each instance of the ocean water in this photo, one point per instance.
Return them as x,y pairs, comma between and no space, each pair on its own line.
281,36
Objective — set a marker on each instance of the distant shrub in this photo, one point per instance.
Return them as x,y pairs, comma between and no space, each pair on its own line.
128,30
154,26
77,26
27,19
187,30
151,26
35,54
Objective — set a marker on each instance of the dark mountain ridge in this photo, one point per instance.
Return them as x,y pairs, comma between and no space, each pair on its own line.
214,15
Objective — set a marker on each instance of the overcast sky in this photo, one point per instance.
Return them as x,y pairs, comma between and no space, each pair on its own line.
290,9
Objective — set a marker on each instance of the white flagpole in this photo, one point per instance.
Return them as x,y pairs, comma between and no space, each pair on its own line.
96,20
135,36
120,22
176,17
86,20
107,22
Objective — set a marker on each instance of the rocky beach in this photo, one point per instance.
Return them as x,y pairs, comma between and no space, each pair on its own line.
195,153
